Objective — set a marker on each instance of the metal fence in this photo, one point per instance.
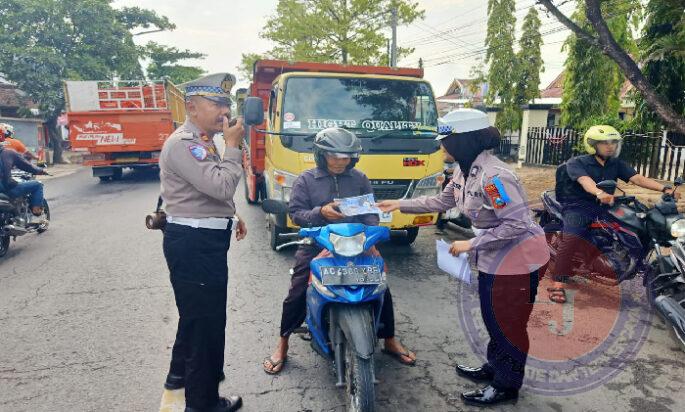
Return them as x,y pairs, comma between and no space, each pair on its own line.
650,153
508,148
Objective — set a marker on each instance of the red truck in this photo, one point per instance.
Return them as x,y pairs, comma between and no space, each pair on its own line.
121,124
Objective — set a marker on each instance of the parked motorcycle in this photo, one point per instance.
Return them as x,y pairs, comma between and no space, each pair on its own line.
628,244
344,301
15,215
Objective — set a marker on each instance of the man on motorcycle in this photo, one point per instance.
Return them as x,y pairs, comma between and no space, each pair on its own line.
336,152
15,144
583,202
10,159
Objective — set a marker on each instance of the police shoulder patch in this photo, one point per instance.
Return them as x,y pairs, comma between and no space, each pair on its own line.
198,151
497,193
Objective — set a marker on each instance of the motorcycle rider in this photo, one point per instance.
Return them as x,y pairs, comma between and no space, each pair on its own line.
15,144
583,202
336,152
10,159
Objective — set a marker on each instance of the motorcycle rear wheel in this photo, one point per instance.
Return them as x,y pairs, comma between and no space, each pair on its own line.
4,245
361,393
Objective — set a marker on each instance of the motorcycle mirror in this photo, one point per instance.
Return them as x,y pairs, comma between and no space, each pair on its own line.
678,181
609,186
253,110
274,207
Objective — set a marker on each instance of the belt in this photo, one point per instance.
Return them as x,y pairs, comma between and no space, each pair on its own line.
218,223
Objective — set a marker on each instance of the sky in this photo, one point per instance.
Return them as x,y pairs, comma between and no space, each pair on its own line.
450,39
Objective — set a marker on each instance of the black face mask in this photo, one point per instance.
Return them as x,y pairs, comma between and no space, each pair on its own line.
465,147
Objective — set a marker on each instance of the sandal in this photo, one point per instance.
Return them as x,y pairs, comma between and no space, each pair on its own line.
399,356
557,295
274,369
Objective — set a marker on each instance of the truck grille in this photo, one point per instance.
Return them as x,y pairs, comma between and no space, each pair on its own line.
390,189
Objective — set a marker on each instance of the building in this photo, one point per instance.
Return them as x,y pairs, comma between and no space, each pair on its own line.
15,106
462,93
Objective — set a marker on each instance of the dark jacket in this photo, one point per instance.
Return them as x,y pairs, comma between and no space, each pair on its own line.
316,188
10,159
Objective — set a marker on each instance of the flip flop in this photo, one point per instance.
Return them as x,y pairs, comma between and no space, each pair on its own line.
274,365
399,356
557,295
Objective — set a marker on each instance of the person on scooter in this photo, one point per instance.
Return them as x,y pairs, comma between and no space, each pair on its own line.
583,202
11,142
508,249
10,159
336,152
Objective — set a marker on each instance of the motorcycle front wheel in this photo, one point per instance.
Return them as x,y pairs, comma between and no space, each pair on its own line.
359,376
4,245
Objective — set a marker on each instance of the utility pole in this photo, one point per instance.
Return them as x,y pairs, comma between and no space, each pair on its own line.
393,49
389,59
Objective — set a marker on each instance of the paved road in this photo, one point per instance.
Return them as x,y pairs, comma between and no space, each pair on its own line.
87,320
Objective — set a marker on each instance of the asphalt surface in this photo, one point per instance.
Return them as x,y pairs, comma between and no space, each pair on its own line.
87,320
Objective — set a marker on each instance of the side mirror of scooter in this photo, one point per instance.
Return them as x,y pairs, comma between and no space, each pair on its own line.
275,207
253,111
678,181
608,186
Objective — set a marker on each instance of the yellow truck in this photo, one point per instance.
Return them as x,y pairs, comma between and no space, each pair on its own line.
392,110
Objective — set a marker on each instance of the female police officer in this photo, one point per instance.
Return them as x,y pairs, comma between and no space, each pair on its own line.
508,249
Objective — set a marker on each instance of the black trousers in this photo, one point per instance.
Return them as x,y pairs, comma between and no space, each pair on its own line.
575,239
506,302
198,267
295,304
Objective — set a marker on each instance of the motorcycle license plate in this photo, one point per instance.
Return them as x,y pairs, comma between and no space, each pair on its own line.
350,275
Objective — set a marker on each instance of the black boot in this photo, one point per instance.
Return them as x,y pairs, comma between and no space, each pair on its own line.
475,374
230,404
490,396
174,382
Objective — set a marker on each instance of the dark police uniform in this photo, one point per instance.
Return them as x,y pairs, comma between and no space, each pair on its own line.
198,187
579,207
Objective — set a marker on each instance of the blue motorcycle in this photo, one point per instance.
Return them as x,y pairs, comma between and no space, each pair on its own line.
344,301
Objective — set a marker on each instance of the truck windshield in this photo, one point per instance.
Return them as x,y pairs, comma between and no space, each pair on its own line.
315,103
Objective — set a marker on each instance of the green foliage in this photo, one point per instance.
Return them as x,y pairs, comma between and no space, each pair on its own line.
662,50
43,42
347,31
163,61
592,84
529,60
500,56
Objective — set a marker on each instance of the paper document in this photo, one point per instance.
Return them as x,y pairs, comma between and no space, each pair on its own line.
456,266
358,205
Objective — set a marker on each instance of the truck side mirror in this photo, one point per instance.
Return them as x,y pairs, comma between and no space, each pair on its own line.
253,111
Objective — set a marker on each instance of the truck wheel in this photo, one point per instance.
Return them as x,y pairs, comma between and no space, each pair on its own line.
247,192
118,173
274,232
4,245
104,178
412,233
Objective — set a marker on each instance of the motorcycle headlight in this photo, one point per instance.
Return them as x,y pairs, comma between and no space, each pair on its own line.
348,246
678,228
429,186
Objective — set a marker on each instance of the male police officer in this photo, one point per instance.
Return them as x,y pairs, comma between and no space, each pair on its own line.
198,187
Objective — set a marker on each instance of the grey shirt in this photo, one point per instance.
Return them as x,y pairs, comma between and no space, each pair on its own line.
315,188
196,182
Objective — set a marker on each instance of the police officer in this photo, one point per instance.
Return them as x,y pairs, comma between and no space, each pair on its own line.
508,249
583,202
198,188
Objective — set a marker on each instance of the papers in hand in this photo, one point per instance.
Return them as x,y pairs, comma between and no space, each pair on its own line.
358,205
456,266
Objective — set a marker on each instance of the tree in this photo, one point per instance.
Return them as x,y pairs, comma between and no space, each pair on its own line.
500,56
529,60
593,82
605,41
43,42
163,59
344,31
662,51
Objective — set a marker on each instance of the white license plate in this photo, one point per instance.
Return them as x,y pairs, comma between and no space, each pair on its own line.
350,275
386,217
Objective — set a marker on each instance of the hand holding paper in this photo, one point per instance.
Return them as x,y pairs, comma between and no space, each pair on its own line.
456,266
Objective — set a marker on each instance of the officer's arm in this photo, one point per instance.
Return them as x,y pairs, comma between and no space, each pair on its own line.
300,208
508,200
439,203
218,180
